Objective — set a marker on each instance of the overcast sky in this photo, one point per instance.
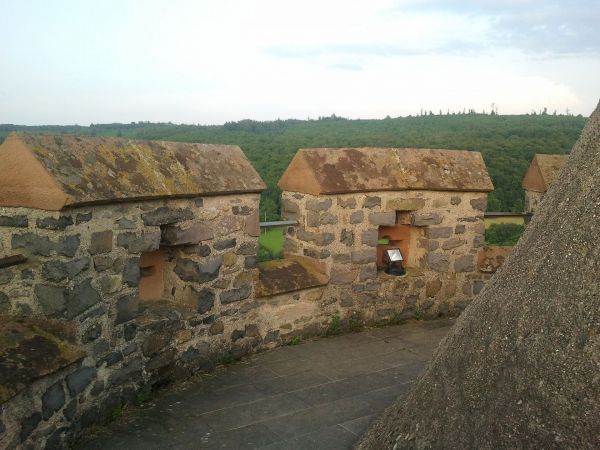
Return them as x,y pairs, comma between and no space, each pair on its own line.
208,62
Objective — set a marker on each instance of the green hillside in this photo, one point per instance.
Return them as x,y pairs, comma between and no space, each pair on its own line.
507,142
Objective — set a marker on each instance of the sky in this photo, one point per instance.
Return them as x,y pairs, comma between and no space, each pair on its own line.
210,62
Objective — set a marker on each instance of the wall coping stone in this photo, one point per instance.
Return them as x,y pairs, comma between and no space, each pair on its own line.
287,275
31,349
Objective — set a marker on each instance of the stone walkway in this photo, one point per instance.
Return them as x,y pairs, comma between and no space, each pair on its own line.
317,395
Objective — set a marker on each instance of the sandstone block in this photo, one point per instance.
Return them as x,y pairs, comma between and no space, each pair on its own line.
82,297
33,243
252,224
346,300
131,272
224,244
371,202
236,295
291,207
51,298
19,221
478,285
101,242
241,210
109,284
312,219
343,275
328,219
426,219
368,272
68,245
467,288
52,223
317,205
216,328
480,203
320,239
102,263
438,262
370,237
479,241
357,217
438,232
54,271
125,224
52,400
229,259
83,217
348,203
363,256
80,379
242,279
155,342
433,287
164,216
459,229
405,204
228,225
127,308
192,234
383,218
250,262
453,243
347,237
464,264
189,270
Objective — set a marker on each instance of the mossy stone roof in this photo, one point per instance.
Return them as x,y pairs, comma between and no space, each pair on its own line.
344,170
55,171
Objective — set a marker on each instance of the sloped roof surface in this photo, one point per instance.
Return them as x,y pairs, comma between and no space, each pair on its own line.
344,170
542,171
106,169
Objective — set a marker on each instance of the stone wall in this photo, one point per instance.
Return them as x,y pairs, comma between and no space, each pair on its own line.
446,233
532,201
83,268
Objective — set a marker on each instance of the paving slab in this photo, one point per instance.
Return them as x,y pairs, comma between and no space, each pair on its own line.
320,394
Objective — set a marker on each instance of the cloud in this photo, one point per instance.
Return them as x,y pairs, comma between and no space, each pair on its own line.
559,27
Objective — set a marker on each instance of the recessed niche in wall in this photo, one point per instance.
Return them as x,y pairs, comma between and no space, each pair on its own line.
402,236
152,283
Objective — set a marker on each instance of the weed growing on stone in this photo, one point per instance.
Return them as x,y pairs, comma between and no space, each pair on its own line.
294,341
334,326
144,396
228,358
117,412
418,314
355,324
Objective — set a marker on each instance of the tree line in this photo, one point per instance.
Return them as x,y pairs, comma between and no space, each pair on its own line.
507,142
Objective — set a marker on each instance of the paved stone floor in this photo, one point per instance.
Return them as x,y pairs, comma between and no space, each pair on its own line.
320,394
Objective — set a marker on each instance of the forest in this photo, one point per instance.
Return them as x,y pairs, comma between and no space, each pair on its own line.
507,143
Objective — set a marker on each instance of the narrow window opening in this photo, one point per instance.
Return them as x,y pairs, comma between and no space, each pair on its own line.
152,283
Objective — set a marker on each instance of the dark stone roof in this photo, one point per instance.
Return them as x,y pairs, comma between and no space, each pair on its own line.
291,274
344,170
520,368
31,349
91,170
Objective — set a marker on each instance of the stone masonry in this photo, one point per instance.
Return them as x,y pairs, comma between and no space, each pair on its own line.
441,269
342,197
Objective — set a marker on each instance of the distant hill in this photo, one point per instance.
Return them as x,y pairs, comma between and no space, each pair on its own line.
507,142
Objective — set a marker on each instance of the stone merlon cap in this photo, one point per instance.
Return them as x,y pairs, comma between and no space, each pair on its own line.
542,171
344,170
52,172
